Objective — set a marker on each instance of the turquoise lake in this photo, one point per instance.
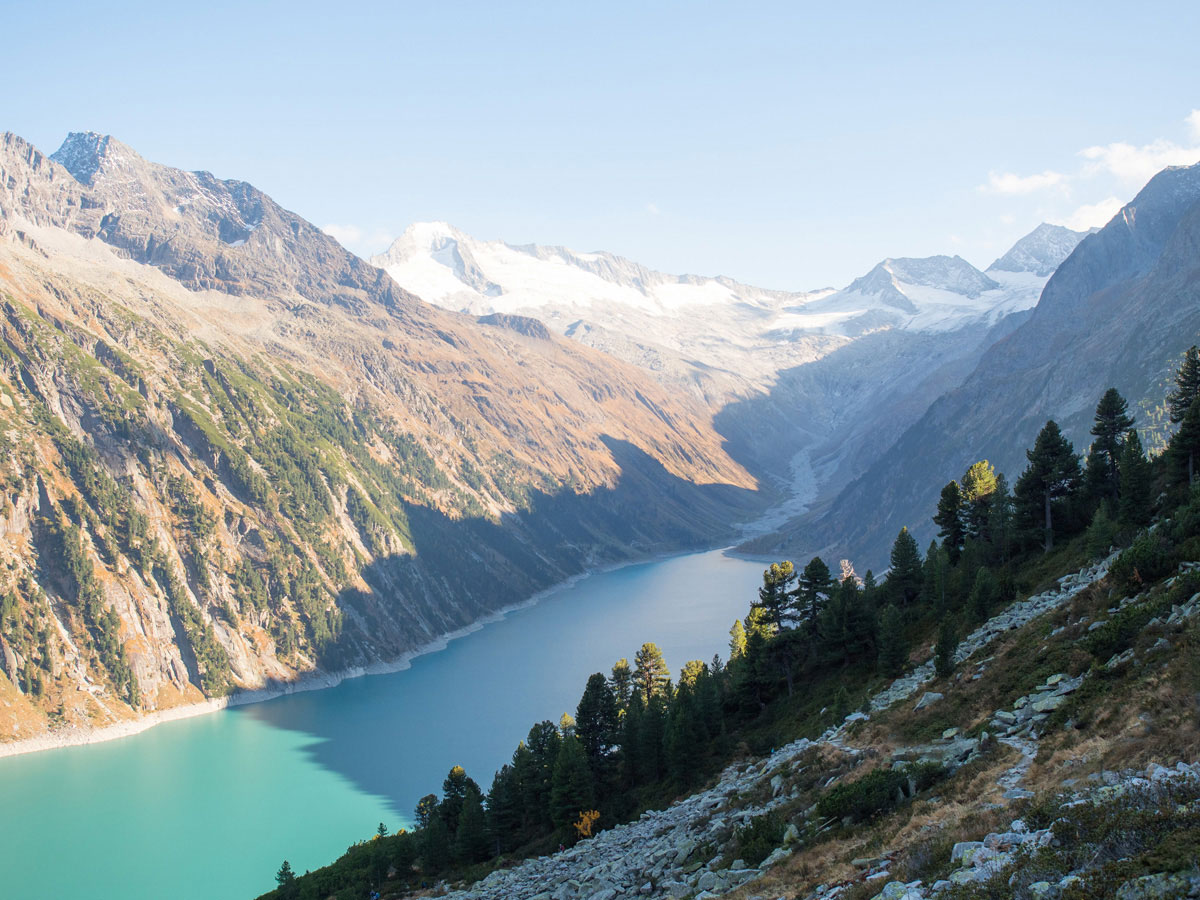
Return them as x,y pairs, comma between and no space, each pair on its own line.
207,808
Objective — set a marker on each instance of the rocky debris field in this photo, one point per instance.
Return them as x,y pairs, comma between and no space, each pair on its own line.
689,849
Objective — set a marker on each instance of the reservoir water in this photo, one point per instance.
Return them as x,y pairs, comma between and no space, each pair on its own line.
207,808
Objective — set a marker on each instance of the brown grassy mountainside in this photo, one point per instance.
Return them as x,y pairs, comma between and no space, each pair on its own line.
231,452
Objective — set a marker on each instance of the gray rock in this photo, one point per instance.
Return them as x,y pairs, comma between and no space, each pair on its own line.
927,699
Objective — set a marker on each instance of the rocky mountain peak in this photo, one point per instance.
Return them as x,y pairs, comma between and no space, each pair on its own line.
85,154
1041,251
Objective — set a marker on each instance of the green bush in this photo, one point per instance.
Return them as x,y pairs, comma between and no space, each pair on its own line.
1148,559
876,792
759,838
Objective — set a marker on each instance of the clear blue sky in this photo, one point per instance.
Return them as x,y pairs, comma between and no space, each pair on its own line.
790,145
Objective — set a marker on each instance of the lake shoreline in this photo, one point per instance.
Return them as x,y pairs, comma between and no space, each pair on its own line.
316,681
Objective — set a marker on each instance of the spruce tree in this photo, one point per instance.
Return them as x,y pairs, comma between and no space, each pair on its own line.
571,791
1000,527
1112,423
1102,533
436,845
1052,474
504,809
454,790
904,575
285,875
978,489
893,648
1135,505
949,520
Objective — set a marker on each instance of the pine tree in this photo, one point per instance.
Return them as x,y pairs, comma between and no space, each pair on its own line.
1135,505
436,845
1102,533
285,875
622,683
1111,424
904,575
454,790
1000,528
775,595
571,792
934,577
426,809
984,594
596,723
811,592
949,520
650,673
893,648
504,809
947,643
978,490
471,843
1185,443
1052,474
1187,385
737,640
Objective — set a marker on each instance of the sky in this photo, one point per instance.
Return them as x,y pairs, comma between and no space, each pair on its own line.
789,145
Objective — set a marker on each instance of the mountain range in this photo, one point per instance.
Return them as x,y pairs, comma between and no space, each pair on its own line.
234,454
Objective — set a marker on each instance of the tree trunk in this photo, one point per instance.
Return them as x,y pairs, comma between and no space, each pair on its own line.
1049,525
1191,467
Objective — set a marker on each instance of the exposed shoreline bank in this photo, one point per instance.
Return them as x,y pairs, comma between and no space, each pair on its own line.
78,737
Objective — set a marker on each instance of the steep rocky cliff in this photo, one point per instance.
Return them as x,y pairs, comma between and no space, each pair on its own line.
232,453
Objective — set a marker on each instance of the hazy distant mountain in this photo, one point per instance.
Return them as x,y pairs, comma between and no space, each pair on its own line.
1117,312
1041,251
806,386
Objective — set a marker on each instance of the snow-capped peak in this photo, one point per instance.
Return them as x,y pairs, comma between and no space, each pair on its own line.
1041,251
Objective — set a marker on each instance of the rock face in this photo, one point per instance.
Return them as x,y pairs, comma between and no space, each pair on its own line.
808,387
264,459
1117,313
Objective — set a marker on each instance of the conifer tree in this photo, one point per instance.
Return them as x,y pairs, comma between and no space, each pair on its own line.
436,845
426,808
984,594
811,592
775,595
504,809
471,841
1000,528
947,643
1187,385
904,575
285,875
454,791
1135,505
622,683
893,648
949,519
1112,423
596,723
651,676
737,640
1185,443
1052,474
571,789
978,490
1102,533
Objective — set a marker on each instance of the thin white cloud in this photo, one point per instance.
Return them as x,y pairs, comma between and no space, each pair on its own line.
1138,164
1011,183
653,209
359,240
1090,215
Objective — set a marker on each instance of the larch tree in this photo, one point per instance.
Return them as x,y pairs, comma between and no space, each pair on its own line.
978,490
737,640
